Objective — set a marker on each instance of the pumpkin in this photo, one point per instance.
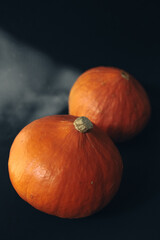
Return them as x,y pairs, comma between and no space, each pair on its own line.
65,166
112,99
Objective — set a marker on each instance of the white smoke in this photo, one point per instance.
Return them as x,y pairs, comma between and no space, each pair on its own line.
31,84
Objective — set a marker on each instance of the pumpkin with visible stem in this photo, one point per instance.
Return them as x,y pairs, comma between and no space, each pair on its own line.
65,166
113,100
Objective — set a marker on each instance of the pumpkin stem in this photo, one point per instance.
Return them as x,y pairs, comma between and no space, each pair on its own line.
82,124
125,75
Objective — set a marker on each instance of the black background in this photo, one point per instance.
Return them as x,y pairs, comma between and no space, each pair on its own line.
84,34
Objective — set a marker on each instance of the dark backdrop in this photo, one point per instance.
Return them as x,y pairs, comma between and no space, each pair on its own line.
44,46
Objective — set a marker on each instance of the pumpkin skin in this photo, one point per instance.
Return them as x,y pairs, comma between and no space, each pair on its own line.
64,172
112,99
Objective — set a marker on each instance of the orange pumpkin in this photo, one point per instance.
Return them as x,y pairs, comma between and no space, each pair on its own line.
113,100
65,166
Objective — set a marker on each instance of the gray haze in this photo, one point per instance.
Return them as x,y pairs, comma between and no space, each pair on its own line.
31,84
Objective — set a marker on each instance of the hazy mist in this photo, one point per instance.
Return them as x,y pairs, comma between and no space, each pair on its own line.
31,84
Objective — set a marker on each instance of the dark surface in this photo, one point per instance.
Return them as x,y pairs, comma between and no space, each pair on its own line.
80,35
